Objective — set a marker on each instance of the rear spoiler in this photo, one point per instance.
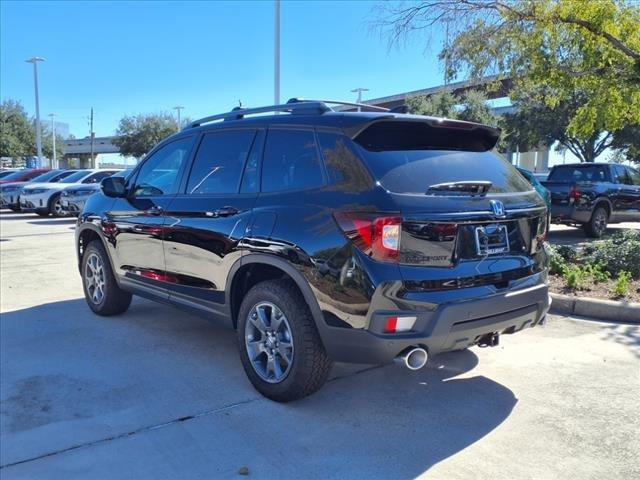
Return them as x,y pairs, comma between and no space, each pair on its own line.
417,132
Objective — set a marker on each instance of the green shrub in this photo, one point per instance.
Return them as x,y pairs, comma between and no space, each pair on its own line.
557,263
620,252
575,277
596,272
621,285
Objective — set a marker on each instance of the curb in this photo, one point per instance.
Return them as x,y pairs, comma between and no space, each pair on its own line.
608,310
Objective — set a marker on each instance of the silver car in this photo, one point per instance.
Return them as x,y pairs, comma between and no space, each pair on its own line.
74,196
45,198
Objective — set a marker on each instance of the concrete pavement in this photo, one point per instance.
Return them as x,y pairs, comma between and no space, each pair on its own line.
157,393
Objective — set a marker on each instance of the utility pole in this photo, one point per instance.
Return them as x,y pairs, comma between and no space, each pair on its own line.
93,136
178,108
276,52
35,61
359,91
54,161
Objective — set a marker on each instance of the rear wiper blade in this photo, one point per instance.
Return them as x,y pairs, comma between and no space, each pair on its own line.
479,187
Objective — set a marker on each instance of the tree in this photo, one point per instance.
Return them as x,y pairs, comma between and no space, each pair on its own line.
471,107
47,144
136,135
535,123
17,136
626,143
558,47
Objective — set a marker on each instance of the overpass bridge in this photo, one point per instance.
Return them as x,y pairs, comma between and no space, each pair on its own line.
82,146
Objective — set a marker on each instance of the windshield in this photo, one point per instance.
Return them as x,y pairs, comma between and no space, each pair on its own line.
75,177
414,171
47,177
571,174
15,175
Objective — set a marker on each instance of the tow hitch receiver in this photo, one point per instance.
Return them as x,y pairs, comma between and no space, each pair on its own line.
489,340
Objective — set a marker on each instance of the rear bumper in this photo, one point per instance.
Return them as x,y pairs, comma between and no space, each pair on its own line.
450,326
570,214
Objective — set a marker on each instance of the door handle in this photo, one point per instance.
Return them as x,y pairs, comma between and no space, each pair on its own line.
225,212
155,210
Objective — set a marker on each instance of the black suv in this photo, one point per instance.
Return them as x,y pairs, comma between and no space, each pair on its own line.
324,235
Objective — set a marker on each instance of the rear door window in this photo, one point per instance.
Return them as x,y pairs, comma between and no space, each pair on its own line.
219,162
291,161
635,176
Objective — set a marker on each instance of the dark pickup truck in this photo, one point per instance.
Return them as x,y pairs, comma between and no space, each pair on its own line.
593,195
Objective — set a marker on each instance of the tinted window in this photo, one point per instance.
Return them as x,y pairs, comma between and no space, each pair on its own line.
343,166
414,171
291,161
74,177
577,173
51,176
97,177
620,175
635,176
250,176
158,174
219,162
15,175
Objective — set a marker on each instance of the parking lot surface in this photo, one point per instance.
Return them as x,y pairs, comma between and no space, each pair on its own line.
158,393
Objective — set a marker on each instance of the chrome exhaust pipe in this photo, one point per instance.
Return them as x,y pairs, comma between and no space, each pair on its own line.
414,358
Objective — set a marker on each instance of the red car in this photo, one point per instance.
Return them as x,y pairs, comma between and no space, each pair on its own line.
23,175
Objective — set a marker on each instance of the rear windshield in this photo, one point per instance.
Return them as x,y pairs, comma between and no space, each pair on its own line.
571,174
414,171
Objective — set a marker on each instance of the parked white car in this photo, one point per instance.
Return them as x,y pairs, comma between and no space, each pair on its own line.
74,196
44,198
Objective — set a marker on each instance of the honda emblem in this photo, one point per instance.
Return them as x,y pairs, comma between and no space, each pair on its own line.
497,207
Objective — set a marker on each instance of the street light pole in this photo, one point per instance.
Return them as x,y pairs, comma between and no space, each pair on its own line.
54,162
276,52
359,91
35,61
178,108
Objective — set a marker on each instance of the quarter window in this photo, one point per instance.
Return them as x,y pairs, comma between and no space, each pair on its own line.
219,162
159,173
291,161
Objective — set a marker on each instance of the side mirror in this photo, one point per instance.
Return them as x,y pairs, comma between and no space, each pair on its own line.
113,187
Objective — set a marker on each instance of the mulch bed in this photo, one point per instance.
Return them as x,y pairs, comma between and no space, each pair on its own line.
595,290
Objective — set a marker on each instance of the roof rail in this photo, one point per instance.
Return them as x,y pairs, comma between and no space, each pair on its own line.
306,106
338,102
294,105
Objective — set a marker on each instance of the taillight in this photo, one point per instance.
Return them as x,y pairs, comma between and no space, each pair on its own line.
541,233
574,194
375,235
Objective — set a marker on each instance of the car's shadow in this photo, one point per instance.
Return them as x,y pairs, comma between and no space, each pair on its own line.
70,377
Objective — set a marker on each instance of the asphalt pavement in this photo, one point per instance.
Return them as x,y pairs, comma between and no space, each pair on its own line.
157,393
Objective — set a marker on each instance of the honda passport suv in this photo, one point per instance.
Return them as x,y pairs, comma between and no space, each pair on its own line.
323,236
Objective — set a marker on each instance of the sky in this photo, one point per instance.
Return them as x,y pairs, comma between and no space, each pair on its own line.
126,58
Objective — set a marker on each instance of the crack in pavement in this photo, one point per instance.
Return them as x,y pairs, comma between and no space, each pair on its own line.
132,432
165,424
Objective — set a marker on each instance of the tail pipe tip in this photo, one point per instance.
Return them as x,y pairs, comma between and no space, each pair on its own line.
414,358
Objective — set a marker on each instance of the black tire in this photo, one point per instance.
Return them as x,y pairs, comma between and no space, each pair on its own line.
14,208
43,213
597,225
114,300
53,206
310,365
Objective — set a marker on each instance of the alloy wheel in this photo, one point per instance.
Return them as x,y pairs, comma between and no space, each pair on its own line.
269,342
94,278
